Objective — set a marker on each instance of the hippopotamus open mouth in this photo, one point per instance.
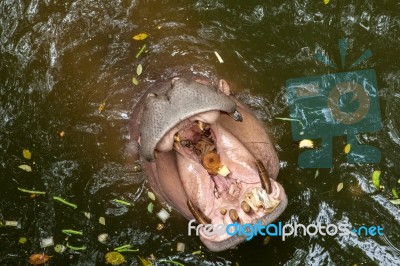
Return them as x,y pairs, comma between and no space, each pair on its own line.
208,156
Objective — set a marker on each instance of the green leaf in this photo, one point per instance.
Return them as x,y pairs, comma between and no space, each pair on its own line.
76,248
122,202
71,232
139,69
150,207
135,81
376,179
31,191
395,194
25,167
396,201
22,240
65,202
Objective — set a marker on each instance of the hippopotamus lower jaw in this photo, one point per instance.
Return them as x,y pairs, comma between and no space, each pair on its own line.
213,162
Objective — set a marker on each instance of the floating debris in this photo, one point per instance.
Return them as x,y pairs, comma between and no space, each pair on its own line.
339,187
140,36
122,202
65,202
135,81
31,191
11,223
102,220
76,248
163,215
347,148
140,51
87,215
160,227
102,238
139,69
151,195
22,240
38,259
150,207
114,258
376,179
60,248
218,57
180,247
306,143
47,242
71,232
27,154
25,167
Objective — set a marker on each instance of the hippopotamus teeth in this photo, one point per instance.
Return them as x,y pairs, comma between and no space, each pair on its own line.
236,116
245,206
266,183
233,214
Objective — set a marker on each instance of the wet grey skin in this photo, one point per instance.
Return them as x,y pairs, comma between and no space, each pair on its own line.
166,125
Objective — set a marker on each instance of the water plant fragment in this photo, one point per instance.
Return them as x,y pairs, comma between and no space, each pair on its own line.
65,202
114,258
150,207
31,191
218,57
140,36
339,187
76,248
347,148
122,202
25,167
145,262
326,2
27,154
396,201
71,232
135,81
151,195
376,175
139,69
38,259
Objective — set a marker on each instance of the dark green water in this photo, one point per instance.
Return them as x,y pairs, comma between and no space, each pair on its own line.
60,60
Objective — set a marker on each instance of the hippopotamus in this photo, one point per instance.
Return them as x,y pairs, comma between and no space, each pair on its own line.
207,155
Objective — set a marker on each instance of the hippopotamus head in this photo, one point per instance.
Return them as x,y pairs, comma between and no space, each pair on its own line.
207,155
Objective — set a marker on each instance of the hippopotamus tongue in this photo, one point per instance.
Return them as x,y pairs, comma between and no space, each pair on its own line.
161,113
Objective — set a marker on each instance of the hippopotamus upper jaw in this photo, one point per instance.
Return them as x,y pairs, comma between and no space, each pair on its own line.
209,165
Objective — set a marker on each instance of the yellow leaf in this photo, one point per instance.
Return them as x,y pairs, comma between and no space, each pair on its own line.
27,154
326,2
114,258
135,81
25,167
339,187
306,143
140,36
347,148
102,106
145,262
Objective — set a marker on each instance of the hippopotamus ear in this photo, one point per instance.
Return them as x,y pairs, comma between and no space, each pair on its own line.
224,87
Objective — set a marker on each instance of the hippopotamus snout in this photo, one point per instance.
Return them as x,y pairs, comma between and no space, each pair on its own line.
208,156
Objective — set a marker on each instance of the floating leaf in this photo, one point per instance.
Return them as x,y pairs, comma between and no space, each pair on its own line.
27,154
339,187
76,248
145,262
218,57
326,2
22,240
37,259
150,207
122,202
102,220
60,248
139,69
151,195
140,51
25,167
376,178
32,191
135,81
102,106
395,194
140,36
306,143
114,258
347,148
396,201
71,232
65,202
